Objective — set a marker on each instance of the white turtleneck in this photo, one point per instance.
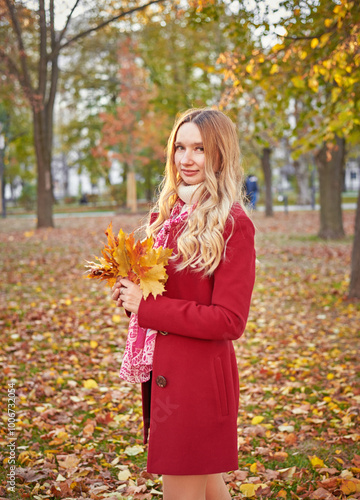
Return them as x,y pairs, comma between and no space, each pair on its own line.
189,194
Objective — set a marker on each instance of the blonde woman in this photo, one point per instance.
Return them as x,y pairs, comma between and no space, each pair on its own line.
191,386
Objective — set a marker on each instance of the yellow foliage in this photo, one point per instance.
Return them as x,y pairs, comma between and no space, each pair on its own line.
298,82
138,261
90,384
313,84
278,47
314,43
116,318
324,39
337,9
328,23
249,489
335,94
249,68
316,461
257,420
253,468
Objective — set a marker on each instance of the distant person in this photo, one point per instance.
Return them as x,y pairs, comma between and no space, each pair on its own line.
84,199
251,186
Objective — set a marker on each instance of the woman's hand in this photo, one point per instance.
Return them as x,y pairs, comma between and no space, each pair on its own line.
115,292
127,294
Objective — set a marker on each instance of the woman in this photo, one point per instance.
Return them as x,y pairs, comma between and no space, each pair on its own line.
191,401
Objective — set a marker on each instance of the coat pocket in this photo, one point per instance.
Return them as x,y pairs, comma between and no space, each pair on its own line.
221,386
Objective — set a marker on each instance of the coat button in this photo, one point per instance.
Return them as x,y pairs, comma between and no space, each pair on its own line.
164,333
161,381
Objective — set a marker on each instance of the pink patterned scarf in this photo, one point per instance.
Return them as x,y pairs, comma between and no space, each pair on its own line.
139,350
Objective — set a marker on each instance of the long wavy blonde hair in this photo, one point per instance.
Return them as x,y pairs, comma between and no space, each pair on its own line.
201,244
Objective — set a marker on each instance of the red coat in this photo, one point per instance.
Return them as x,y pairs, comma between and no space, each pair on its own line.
195,383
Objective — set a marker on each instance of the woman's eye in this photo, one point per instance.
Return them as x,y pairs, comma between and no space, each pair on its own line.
200,148
177,148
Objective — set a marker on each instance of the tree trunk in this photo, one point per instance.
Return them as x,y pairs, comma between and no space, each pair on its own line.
43,160
148,181
2,180
330,165
266,166
65,175
354,289
131,201
302,178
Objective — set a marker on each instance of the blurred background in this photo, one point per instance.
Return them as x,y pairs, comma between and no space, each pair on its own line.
89,92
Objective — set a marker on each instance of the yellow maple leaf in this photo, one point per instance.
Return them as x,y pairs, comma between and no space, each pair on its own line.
253,468
316,461
90,384
257,420
249,489
70,462
120,255
124,475
152,282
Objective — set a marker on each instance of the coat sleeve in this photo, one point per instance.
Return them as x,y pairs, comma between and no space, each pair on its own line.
225,318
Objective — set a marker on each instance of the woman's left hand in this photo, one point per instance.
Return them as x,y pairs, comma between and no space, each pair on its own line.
130,295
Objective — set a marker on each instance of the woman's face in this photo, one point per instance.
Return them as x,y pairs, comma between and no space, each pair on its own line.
189,154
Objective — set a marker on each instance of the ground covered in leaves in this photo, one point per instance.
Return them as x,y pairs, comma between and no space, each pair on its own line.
79,430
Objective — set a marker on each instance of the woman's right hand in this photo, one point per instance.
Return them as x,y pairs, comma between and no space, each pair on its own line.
116,292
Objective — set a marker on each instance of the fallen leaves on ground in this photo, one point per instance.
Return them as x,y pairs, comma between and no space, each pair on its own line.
79,427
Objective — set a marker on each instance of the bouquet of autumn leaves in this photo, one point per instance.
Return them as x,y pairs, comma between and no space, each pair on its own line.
138,261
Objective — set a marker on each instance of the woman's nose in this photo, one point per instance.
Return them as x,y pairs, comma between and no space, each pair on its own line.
186,158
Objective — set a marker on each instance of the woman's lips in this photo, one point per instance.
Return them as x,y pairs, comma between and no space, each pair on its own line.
189,172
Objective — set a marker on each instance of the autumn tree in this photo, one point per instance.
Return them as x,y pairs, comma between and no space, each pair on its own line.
326,38
177,77
30,51
89,85
16,143
132,133
180,51
317,62
263,122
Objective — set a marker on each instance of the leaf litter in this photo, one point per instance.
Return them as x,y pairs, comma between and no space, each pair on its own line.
79,427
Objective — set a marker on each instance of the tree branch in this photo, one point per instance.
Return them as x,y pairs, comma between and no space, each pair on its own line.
68,21
42,70
17,136
318,35
24,80
297,38
14,70
105,23
54,62
52,25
